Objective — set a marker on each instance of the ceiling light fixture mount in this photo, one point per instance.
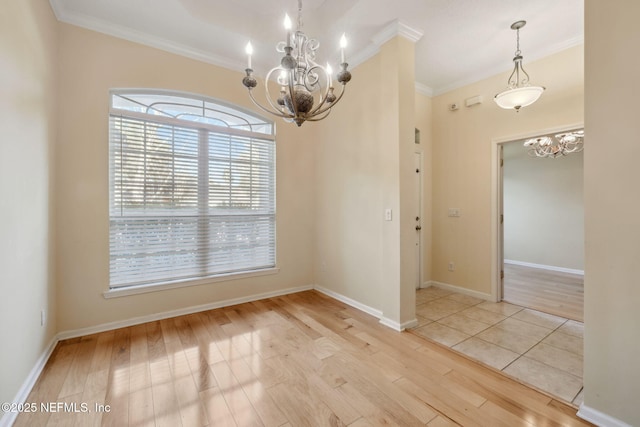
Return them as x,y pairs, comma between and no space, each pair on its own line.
306,88
519,92
555,145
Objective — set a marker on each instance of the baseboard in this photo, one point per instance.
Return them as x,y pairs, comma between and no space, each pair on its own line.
7,420
544,267
462,290
353,303
426,284
599,418
398,326
179,312
10,417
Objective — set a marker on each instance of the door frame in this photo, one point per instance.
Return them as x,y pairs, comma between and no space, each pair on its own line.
497,237
420,192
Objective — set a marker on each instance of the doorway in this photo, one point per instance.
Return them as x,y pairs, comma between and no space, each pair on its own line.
540,229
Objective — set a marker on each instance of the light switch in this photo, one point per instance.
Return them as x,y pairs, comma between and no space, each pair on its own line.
387,214
454,212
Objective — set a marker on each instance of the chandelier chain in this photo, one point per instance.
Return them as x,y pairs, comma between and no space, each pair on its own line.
299,15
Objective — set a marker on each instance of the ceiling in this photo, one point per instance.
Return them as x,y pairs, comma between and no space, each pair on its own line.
462,41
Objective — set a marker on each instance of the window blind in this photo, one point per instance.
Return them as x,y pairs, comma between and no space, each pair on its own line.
188,201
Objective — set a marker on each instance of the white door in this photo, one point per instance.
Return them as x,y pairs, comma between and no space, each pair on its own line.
418,218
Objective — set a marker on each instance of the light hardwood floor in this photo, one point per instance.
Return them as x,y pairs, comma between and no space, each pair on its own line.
299,360
560,294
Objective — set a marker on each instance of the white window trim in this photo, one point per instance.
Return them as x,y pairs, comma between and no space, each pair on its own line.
117,292
178,122
163,286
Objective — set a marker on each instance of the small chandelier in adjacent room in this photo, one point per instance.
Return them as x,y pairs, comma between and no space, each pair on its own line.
555,145
519,92
306,88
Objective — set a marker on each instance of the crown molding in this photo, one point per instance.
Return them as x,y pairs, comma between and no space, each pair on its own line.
491,72
57,8
368,52
393,29
424,90
134,36
396,28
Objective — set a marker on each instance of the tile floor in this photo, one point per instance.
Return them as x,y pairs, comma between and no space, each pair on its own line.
539,349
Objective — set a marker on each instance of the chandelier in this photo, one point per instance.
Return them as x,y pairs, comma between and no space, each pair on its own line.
519,93
306,88
556,145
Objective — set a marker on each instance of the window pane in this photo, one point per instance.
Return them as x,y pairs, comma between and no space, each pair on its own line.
186,202
196,109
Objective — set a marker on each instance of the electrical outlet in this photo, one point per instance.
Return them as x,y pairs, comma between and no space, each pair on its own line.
452,266
43,317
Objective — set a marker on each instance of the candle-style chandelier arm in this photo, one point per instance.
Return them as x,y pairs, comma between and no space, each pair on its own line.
266,110
277,110
327,97
306,88
329,105
319,117
555,145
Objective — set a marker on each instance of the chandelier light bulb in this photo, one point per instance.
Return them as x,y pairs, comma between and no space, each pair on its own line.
249,50
343,41
343,45
287,27
283,80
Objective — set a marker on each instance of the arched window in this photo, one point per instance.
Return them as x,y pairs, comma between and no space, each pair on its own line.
192,189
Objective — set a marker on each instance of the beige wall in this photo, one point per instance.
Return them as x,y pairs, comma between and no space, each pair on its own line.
28,43
462,175
91,64
360,152
543,208
396,136
612,209
349,187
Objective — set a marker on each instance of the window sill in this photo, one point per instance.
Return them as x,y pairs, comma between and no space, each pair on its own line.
156,287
